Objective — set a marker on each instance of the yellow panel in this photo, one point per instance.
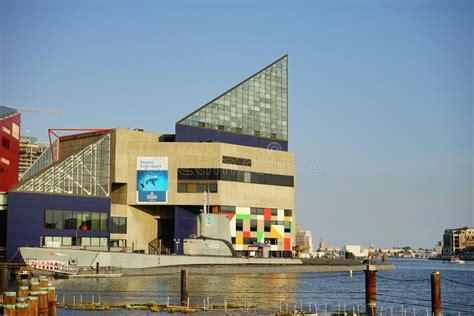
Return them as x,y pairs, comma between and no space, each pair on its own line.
277,231
239,240
288,218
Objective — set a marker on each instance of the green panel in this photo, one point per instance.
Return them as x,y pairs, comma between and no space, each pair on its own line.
260,236
243,216
292,227
257,106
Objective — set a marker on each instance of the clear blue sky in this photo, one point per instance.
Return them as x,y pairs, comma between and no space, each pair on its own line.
381,93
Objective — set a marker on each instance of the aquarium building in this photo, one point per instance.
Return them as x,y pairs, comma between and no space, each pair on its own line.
136,191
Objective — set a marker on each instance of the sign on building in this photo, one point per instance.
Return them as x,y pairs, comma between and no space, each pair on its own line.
152,179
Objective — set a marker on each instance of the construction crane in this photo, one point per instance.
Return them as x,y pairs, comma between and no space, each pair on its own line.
34,110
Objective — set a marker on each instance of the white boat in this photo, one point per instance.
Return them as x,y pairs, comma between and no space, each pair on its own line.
456,260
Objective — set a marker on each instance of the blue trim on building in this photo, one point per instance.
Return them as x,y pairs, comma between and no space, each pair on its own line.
26,217
185,223
186,133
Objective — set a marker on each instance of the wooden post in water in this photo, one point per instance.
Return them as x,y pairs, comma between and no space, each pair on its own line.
97,267
4,276
436,293
51,301
371,290
184,286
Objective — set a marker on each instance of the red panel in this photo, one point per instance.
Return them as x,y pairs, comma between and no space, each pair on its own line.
9,176
230,216
267,214
246,234
287,244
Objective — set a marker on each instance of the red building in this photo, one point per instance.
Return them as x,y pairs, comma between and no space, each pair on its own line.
9,147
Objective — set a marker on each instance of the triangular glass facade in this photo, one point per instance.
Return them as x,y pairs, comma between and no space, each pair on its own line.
86,173
257,106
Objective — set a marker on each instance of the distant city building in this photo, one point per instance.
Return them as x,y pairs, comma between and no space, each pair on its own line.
439,247
322,245
457,240
304,240
356,250
30,150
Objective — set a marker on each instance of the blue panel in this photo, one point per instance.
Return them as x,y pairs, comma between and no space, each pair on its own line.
185,222
6,111
26,217
195,134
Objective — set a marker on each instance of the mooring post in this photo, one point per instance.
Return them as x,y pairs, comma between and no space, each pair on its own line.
436,293
97,267
184,286
371,290
4,276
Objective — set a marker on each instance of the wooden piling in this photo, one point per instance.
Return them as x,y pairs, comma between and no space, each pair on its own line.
184,286
21,309
43,282
371,290
97,267
22,291
9,298
9,309
436,293
43,302
51,301
34,286
32,305
4,278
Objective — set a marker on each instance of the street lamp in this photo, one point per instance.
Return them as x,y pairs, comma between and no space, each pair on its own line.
176,242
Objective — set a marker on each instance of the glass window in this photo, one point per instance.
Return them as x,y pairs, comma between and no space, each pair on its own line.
239,225
85,241
77,219
253,225
119,225
103,241
287,212
267,226
58,219
213,187
68,220
48,219
95,242
118,243
192,188
182,188
287,227
67,241
86,221
95,221
274,212
103,221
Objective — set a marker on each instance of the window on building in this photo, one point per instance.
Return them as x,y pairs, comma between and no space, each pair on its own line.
271,241
75,220
239,225
197,187
274,212
256,211
118,243
253,225
288,212
287,227
5,143
119,225
236,161
226,209
267,226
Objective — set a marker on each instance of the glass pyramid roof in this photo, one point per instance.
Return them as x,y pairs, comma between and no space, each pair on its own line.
257,106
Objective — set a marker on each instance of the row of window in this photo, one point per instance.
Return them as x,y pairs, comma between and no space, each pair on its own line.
75,241
239,225
237,161
194,187
83,241
234,175
75,220
251,241
80,220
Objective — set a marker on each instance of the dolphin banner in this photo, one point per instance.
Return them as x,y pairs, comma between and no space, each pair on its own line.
152,180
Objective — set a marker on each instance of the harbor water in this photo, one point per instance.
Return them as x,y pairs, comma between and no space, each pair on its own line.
405,291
